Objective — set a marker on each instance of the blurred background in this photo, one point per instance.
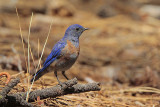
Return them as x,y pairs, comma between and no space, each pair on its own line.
122,44
121,48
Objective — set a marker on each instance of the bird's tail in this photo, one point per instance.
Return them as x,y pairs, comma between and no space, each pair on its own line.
38,74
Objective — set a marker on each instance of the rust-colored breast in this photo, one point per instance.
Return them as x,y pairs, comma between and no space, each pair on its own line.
71,49
68,57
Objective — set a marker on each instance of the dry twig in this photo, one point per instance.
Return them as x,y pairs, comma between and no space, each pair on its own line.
68,87
4,99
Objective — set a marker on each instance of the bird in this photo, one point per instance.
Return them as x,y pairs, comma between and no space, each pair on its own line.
64,53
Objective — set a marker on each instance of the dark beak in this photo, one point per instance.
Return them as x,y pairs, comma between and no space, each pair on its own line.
86,28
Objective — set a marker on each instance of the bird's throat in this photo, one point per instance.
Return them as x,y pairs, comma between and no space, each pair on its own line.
74,41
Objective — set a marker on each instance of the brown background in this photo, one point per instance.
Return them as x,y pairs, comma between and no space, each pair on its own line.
121,49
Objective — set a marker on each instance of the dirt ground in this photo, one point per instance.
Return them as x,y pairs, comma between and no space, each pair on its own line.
121,50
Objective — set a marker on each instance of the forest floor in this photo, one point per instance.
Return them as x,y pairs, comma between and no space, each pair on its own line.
121,52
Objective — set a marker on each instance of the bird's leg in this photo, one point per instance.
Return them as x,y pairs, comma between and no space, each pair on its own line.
63,73
55,73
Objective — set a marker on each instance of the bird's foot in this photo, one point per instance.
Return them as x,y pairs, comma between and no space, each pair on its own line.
61,84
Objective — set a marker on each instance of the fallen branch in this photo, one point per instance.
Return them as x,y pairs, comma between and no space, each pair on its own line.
8,88
18,100
68,87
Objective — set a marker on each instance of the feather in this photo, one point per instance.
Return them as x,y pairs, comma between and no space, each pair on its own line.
56,51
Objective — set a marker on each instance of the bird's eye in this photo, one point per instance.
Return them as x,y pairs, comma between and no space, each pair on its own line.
77,29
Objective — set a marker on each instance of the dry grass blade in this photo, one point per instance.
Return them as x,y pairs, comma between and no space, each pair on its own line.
38,50
29,56
22,40
41,55
32,57
15,75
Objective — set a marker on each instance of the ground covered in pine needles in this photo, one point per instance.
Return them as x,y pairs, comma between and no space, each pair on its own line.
110,96
121,50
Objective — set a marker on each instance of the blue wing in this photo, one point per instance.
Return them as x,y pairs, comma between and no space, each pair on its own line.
56,51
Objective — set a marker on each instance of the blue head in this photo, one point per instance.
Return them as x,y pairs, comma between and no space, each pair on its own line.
74,31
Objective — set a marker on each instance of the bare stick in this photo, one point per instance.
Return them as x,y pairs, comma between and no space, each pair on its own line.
10,85
17,101
6,101
7,89
69,87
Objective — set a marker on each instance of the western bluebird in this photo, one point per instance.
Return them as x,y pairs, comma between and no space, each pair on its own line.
64,53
